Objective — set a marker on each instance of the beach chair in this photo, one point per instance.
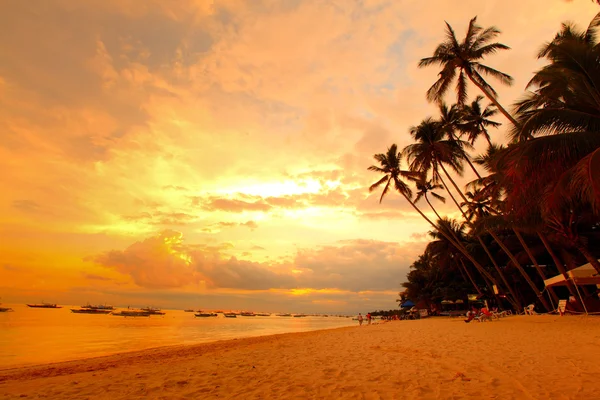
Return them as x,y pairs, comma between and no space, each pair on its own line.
530,310
485,315
562,307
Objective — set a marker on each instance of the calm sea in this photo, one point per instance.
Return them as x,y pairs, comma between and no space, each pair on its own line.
36,335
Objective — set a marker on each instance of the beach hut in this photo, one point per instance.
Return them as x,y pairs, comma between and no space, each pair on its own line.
581,276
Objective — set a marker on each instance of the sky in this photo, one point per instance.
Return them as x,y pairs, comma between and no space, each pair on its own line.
214,154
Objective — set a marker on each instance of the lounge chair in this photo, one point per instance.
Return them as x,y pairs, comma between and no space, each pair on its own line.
485,315
562,307
530,310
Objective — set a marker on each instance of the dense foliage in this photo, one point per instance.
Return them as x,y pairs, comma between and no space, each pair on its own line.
533,210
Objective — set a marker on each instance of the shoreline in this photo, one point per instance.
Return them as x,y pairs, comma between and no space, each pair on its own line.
522,357
164,348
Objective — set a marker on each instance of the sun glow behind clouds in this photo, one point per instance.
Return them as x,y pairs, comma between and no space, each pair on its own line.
275,189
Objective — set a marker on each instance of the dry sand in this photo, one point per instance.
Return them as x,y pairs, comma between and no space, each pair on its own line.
535,357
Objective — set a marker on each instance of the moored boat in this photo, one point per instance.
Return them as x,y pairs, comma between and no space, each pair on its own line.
247,314
90,311
284,315
263,314
188,310
153,311
230,315
131,313
204,315
97,307
44,305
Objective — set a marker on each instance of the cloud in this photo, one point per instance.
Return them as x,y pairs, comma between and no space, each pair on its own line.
165,261
26,206
236,206
96,277
157,262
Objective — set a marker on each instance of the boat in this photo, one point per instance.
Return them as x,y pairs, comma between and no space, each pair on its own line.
188,310
98,307
263,314
284,315
131,313
299,315
204,315
44,305
90,311
153,311
247,314
230,315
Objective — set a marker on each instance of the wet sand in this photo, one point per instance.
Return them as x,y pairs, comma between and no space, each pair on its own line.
534,357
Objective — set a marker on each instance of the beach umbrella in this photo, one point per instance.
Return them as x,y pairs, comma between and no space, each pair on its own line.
408,303
448,302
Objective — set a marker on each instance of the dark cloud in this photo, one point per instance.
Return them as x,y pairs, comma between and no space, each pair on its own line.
165,261
96,277
28,206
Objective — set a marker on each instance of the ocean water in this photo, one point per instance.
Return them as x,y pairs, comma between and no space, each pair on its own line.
37,336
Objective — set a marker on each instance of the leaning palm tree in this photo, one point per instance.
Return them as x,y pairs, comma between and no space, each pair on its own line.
476,121
390,166
463,61
478,210
424,187
434,152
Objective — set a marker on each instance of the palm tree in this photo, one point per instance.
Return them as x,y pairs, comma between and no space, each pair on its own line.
476,120
564,95
444,251
463,60
390,166
433,151
425,186
478,208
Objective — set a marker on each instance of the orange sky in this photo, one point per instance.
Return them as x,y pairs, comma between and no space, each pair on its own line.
214,154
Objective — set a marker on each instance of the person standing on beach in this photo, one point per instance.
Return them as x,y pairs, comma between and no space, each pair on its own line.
368,318
360,319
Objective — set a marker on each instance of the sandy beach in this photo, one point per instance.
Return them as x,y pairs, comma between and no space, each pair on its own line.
536,357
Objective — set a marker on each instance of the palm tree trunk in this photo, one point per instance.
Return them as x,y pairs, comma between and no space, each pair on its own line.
535,263
456,244
516,303
521,270
466,270
487,138
432,209
559,264
467,159
453,183
493,100
487,251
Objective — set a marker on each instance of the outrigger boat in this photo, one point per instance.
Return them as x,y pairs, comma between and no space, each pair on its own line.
204,315
98,307
131,313
153,311
247,314
44,305
90,311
